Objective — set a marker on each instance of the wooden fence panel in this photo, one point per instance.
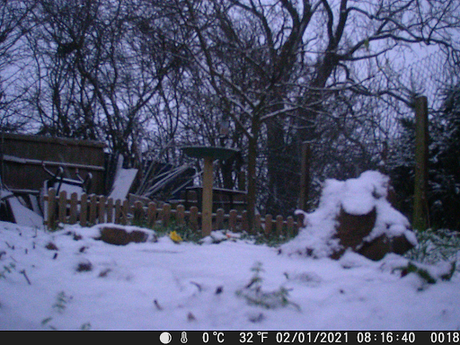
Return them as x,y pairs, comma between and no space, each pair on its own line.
93,209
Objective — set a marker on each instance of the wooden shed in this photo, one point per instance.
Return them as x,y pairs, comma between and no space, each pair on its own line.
22,158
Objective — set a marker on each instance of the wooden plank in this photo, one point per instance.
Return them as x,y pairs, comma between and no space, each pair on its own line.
180,215
166,214
109,210
279,225
138,212
118,211
62,207
151,214
219,219
193,219
83,209
232,220
268,224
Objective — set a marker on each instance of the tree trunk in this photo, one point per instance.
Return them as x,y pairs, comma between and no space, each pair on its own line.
252,183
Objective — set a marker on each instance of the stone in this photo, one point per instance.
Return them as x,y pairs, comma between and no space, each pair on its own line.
121,237
353,229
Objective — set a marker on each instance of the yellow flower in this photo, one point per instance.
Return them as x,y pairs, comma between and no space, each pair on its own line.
175,237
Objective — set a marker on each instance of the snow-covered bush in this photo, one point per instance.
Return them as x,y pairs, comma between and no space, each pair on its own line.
363,196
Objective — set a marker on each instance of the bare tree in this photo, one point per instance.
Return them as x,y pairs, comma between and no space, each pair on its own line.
270,62
14,24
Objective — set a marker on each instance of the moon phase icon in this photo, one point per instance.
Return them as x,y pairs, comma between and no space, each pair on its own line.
165,338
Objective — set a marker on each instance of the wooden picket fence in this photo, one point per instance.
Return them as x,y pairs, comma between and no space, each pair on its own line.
88,210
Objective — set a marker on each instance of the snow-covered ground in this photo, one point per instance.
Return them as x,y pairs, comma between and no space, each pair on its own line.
81,282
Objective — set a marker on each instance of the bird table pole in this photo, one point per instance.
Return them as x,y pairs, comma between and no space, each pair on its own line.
206,217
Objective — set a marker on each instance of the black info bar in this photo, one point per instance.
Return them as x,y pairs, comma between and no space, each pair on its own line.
308,337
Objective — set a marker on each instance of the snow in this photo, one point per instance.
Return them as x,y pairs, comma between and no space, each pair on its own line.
162,285
122,184
357,196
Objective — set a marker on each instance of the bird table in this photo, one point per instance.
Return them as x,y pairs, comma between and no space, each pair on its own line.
209,154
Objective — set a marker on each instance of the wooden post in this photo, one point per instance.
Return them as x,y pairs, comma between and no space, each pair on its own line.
220,219
193,220
304,176
166,214
268,224
124,212
232,220
62,206
138,212
152,214
279,225
180,215
101,211
83,209
206,219
420,216
109,210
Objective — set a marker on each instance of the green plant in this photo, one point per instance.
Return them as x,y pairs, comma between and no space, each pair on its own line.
425,274
435,246
61,302
254,294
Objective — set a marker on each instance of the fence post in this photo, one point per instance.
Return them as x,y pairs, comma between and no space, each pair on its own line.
124,212
279,225
420,217
180,215
138,212
109,210
219,219
83,209
166,214
268,224
232,220
51,208
101,216
151,214
117,219
62,206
